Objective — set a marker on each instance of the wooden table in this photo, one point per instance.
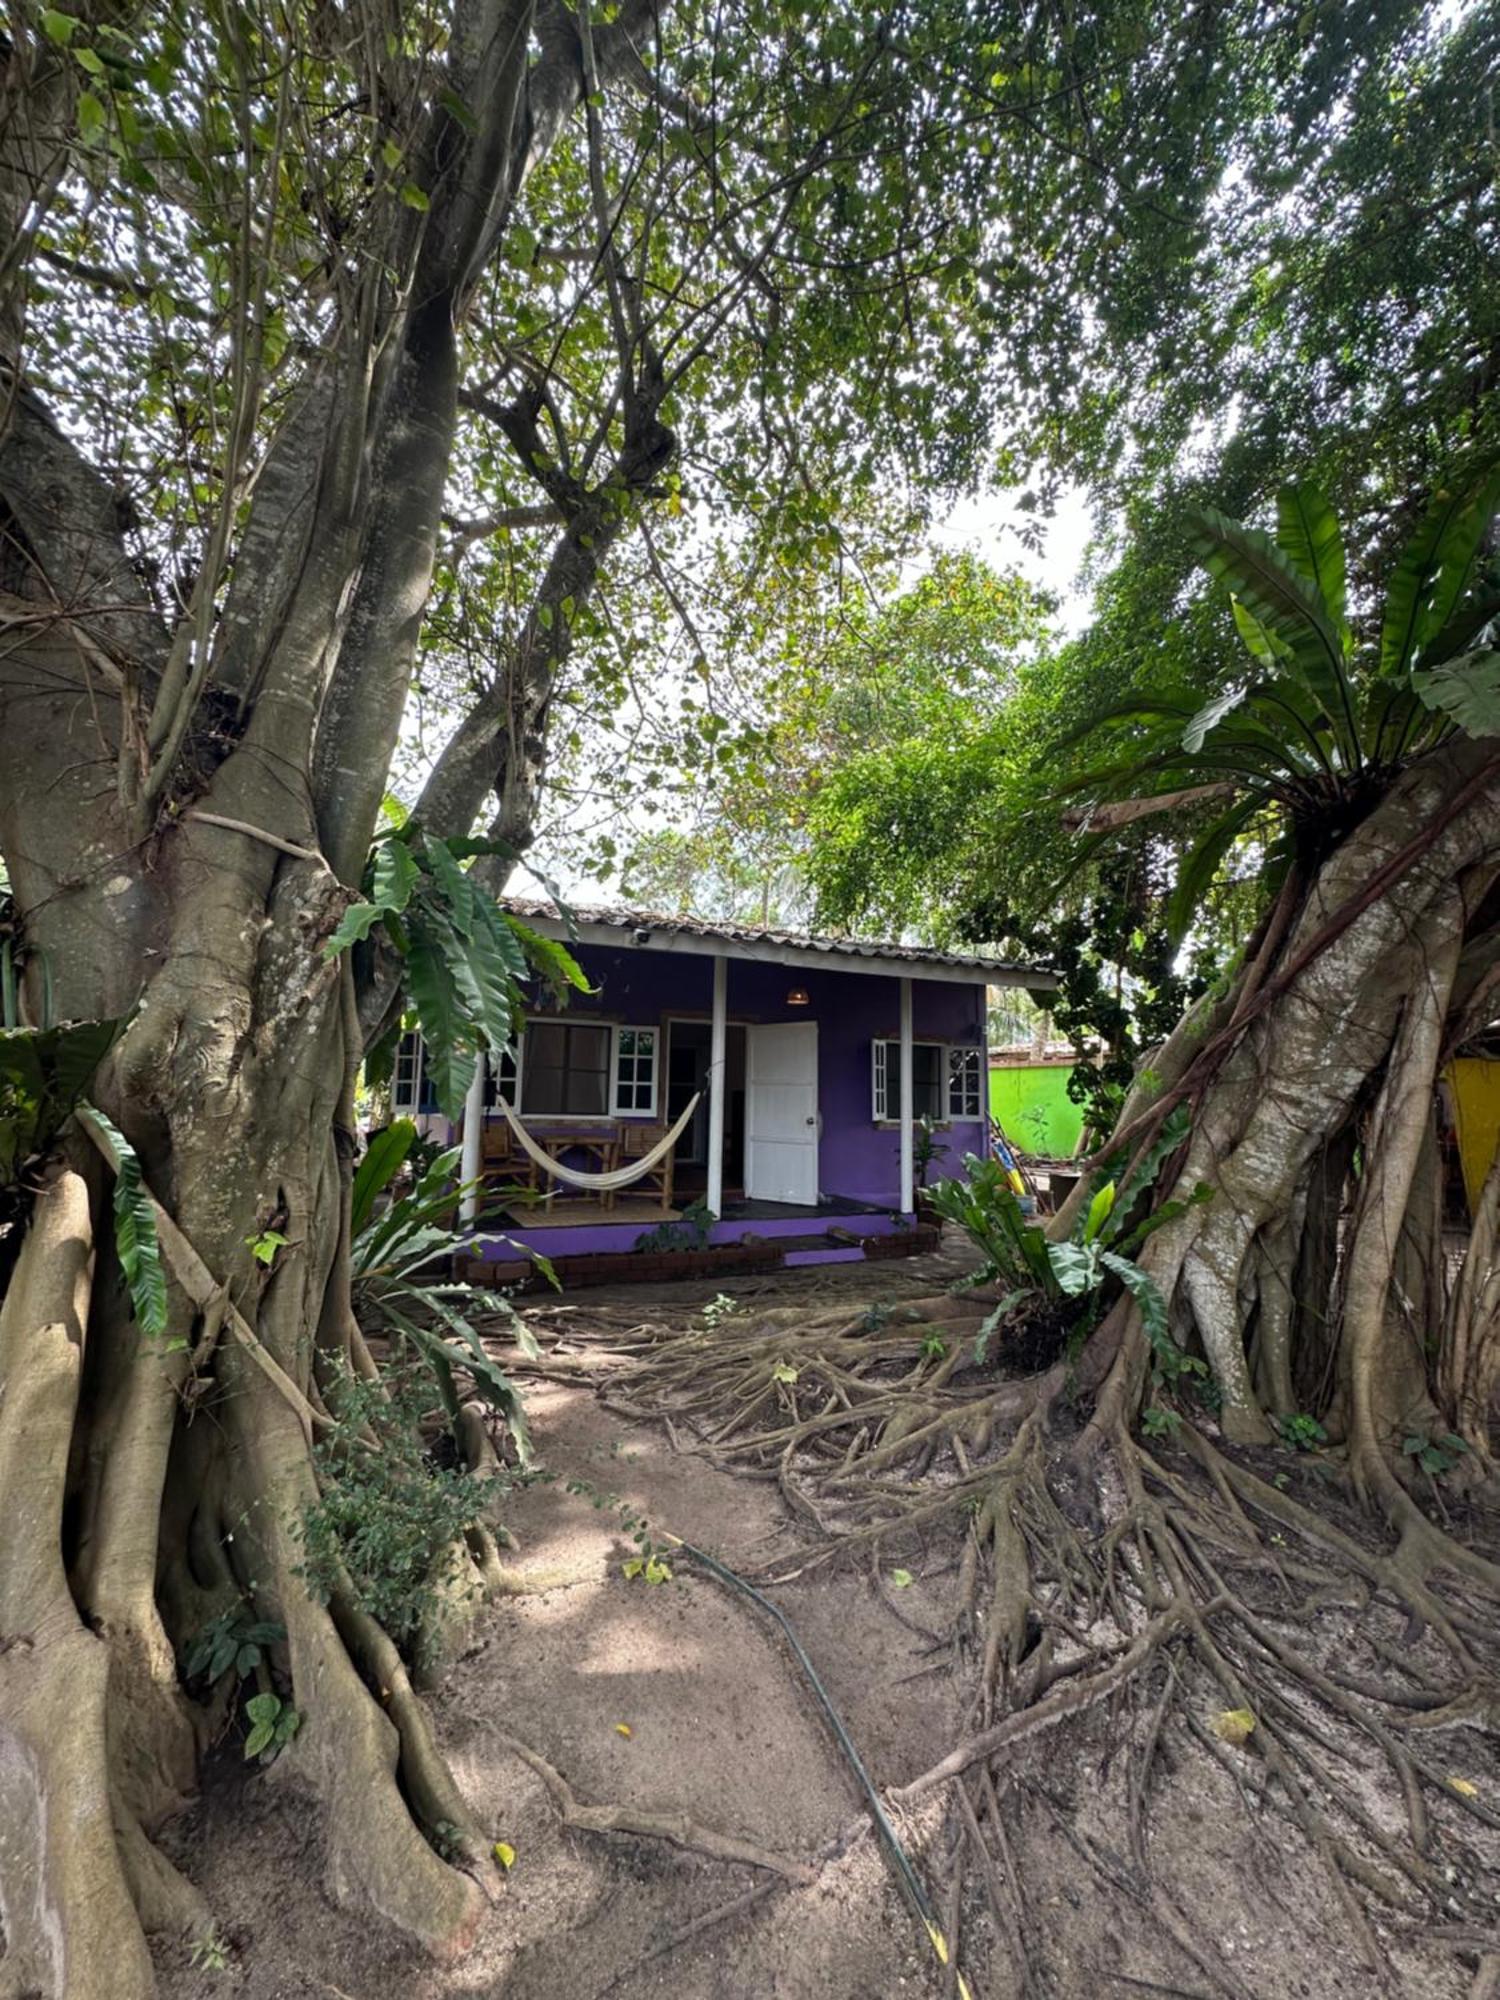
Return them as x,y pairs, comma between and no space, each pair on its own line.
601,1143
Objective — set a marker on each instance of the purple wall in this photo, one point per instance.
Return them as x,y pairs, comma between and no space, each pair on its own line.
858,1159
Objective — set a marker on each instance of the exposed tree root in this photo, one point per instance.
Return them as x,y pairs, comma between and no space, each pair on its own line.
1179,1587
678,1828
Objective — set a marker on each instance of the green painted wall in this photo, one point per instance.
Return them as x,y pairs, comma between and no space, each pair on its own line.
1034,1107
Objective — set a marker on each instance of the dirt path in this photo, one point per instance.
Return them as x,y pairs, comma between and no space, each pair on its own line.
1209,1900
721,1727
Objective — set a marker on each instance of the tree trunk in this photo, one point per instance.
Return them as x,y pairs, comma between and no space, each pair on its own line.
1315,1272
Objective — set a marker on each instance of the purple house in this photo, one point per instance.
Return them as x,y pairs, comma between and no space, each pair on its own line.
811,1061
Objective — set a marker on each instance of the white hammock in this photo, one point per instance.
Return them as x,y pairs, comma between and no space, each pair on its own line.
620,1176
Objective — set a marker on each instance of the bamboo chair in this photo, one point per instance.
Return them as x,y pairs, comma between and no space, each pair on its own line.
635,1142
502,1162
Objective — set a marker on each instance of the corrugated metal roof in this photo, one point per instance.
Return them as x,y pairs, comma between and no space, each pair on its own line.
659,921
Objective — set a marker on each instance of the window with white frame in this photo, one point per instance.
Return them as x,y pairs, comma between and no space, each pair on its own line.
965,1083
945,1082
635,1072
406,1076
567,1070
555,1069
502,1075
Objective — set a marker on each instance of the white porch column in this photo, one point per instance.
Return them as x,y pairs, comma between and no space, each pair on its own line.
908,1194
471,1160
987,1150
717,1038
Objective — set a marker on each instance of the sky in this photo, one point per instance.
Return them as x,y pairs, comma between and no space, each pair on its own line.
989,522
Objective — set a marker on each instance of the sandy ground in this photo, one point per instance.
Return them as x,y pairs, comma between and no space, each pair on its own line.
722,1727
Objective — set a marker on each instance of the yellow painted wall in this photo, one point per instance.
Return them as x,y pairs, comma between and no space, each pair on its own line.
1475,1082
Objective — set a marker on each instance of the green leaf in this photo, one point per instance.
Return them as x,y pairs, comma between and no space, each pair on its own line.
1099,1211
451,1055
1199,867
394,875
383,1160
552,959
57,27
263,1248
1433,572
91,115
992,1320
263,1707
1263,645
1212,714
1075,1267
259,1739
415,198
1308,529
354,926
1143,1289
135,1229
455,890
90,60
1280,598
1467,691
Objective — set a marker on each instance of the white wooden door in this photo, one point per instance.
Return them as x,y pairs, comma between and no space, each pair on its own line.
781,1113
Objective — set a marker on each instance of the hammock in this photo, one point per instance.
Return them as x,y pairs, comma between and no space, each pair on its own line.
620,1176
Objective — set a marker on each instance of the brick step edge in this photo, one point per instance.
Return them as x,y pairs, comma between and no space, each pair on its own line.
608,1267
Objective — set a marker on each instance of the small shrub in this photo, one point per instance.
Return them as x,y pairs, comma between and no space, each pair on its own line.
273,1724
236,1641
1300,1432
209,1951
386,1517
1437,1453
688,1232
719,1309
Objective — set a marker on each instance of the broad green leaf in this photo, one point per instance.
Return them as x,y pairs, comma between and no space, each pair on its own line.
1143,1289
1261,644
455,890
1433,572
1308,529
451,1054
1466,690
1099,1212
553,960
1280,597
1211,714
383,1160
135,1229
1075,1266
1199,867
91,115
354,927
395,874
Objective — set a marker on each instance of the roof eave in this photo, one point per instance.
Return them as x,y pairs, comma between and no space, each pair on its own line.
804,957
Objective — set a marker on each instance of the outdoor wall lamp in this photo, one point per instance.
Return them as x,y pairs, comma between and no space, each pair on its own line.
797,997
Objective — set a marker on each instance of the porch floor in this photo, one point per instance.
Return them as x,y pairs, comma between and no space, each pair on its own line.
586,1210
569,1212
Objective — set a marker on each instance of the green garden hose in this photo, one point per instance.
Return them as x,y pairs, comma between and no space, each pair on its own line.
900,1860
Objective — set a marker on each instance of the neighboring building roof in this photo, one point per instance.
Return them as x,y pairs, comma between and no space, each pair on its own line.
639,930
